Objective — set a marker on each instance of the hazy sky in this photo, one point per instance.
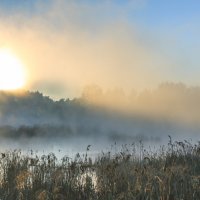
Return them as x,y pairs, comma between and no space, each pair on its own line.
67,44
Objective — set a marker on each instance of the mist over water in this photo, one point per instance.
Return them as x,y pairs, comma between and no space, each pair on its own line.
30,120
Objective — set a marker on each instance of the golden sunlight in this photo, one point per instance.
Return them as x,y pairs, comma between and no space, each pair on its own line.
12,74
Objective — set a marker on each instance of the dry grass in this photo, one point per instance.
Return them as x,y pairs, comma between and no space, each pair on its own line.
172,173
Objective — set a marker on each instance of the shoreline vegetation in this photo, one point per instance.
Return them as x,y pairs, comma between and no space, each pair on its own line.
172,172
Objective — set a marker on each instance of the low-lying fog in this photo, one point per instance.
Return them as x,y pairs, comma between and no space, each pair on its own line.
31,121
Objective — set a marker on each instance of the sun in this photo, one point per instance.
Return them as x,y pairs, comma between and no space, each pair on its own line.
12,74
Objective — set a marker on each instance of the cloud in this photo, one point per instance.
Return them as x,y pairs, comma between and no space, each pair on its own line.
78,43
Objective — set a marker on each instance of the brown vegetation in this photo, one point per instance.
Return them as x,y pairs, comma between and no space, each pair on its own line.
172,173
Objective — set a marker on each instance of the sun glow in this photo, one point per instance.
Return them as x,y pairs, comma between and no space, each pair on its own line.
12,74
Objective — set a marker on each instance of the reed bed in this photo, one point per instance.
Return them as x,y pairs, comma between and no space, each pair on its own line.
171,173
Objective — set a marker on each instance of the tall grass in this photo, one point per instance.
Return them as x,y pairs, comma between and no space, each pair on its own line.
172,173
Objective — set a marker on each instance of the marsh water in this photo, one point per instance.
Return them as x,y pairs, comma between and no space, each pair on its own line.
93,146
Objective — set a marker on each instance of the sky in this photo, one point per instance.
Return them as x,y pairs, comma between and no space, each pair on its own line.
67,44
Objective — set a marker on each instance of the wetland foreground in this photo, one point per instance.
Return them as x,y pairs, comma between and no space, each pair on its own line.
172,172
